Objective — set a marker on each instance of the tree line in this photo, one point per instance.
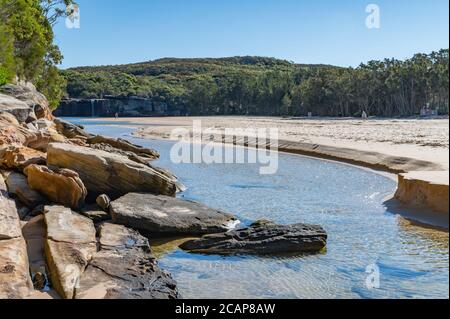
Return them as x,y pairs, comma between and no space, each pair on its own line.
266,86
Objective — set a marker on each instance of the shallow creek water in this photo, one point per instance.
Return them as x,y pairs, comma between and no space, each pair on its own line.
346,200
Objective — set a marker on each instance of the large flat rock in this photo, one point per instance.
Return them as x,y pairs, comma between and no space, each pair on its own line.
15,280
124,269
262,238
168,215
9,218
70,244
111,174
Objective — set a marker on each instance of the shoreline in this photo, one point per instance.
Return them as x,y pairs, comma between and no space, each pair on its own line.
422,184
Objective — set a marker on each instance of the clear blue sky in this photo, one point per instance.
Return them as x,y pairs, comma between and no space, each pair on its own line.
303,31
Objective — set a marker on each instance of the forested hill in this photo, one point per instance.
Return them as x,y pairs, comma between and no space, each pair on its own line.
268,86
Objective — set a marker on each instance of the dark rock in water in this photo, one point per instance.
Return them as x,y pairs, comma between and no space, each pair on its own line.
262,238
167,215
124,269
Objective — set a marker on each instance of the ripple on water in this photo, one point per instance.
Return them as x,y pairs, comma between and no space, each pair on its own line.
346,201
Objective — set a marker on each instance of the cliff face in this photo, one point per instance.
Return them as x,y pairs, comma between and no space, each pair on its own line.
109,107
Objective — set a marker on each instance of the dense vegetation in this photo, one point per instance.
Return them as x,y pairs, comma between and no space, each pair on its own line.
266,86
27,52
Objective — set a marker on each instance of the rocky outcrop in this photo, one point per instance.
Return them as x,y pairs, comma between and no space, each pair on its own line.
111,174
34,234
9,219
70,244
167,215
124,269
426,189
35,100
18,186
21,111
15,281
262,238
19,157
124,146
70,130
62,186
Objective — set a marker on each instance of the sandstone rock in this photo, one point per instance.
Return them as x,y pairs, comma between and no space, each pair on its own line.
262,238
9,218
167,215
43,138
103,201
34,234
19,157
70,130
15,280
27,93
95,213
124,269
18,186
62,186
125,146
111,174
15,107
70,244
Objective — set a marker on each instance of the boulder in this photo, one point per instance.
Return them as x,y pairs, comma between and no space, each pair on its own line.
19,157
124,269
124,146
19,109
262,238
70,130
95,213
9,218
12,133
62,186
168,215
18,186
15,280
111,174
27,93
34,234
103,201
70,243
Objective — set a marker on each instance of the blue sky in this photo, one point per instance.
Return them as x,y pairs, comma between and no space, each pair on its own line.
303,31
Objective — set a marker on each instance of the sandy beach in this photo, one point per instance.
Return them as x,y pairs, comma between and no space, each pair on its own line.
424,141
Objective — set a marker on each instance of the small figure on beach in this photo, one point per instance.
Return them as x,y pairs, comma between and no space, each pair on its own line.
364,115
116,115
